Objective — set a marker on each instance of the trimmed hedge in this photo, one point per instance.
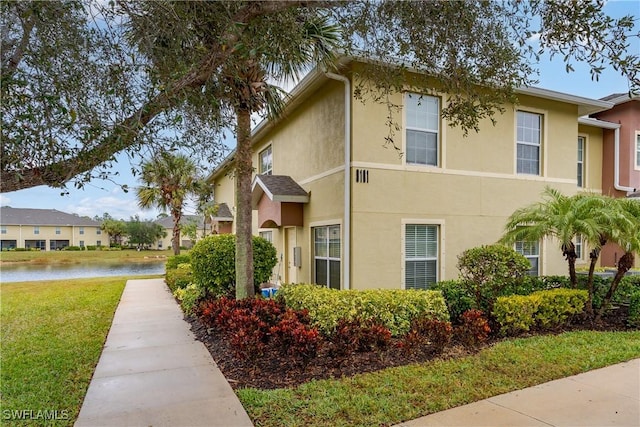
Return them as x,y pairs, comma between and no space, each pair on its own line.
179,277
175,260
214,264
547,309
394,309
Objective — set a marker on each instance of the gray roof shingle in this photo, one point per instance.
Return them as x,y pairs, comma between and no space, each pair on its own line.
23,216
167,222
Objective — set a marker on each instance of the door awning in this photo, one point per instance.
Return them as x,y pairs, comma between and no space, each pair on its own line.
278,200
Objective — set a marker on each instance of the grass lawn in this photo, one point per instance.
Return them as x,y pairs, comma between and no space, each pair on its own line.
52,257
52,335
398,394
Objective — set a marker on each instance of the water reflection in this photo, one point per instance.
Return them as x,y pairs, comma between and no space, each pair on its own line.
29,272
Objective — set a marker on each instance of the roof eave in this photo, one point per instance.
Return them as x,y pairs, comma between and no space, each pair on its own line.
586,106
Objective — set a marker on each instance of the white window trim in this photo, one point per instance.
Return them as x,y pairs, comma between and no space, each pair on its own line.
261,231
440,132
441,244
260,172
311,249
636,144
543,141
584,160
541,250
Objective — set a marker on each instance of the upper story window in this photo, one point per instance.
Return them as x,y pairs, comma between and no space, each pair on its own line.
36,230
423,129
529,142
98,230
58,230
81,230
266,161
581,150
3,229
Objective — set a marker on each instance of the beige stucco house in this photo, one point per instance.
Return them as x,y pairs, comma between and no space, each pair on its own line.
48,229
185,240
346,211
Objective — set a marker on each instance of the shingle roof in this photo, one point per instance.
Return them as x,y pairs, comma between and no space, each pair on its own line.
23,216
224,213
612,96
279,188
167,222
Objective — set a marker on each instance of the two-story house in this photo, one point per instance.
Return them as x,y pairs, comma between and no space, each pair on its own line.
346,211
48,229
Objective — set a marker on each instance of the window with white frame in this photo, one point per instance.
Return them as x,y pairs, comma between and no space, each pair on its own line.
98,242
82,243
420,255
36,230
637,150
581,151
81,230
326,256
58,231
267,235
98,230
531,251
579,247
266,161
529,143
422,117
3,229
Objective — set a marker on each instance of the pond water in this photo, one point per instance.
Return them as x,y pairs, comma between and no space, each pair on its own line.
29,272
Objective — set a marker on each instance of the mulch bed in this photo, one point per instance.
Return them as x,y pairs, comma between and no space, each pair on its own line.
275,371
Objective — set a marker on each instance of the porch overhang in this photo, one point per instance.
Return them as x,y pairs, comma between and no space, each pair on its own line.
279,201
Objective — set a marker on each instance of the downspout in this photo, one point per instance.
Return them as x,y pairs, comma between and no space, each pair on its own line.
347,177
616,163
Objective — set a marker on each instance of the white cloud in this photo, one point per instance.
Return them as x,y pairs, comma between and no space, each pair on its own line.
4,200
118,204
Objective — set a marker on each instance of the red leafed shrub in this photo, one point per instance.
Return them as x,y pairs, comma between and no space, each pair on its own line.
426,333
218,313
294,337
473,329
249,334
357,335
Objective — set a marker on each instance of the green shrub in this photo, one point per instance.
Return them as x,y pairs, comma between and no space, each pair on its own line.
634,310
556,305
25,249
515,313
179,277
189,298
73,248
214,267
394,309
549,308
456,296
175,260
488,272
91,247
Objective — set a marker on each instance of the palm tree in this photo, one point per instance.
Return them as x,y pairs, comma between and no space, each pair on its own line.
167,180
249,92
626,233
560,217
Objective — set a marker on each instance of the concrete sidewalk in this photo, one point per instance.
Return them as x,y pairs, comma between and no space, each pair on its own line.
153,372
600,398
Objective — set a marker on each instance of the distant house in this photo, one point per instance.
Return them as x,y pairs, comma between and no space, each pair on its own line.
185,240
48,229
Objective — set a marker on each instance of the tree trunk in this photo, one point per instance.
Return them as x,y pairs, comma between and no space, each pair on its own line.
569,252
593,255
244,170
624,264
175,240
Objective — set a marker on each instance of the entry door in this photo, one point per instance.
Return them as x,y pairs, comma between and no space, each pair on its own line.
291,270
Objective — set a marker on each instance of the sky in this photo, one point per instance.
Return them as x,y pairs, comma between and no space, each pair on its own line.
99,196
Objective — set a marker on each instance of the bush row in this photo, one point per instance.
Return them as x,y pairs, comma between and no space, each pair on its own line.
394,309
546,309
255,327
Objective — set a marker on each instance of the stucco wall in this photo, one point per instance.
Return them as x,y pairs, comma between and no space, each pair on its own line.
90,235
